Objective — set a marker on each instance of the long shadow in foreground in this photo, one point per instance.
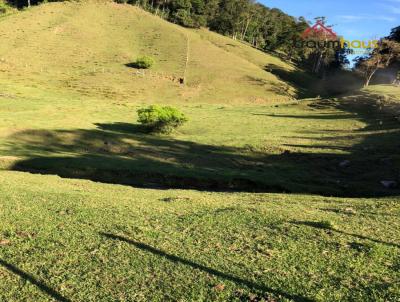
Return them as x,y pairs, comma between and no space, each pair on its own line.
319,226
122,153
43,287
206,269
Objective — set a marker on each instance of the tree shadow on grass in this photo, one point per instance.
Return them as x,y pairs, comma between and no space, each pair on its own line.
321,116
123,153
209,270
278,88
350,213
31,279
310,85
123,128
321,225
305,84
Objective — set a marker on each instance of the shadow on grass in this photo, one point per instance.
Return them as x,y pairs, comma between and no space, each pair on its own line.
305,83
31,279
122,153
134,65
209,270
276,88
309,85
123,128
118,153
313,117
324,226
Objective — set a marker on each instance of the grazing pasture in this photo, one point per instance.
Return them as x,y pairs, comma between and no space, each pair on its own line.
262,195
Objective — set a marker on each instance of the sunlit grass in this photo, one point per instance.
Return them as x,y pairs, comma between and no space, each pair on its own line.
88,241
68,107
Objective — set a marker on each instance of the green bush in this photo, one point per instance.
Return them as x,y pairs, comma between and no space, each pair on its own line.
144,62
161,119
184,18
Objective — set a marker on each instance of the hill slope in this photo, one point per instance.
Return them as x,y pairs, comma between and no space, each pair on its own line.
86,47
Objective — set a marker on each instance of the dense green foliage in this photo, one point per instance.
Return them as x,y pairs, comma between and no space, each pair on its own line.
4,7
161,119
144,62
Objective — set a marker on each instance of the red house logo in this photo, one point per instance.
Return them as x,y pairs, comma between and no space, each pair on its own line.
319,30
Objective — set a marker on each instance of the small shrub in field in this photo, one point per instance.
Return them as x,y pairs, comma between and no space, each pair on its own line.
161,119
144,62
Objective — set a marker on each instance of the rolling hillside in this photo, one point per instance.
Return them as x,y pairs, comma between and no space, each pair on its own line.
86,48
258,197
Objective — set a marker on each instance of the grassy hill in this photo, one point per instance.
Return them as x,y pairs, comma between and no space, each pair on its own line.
67,108
85,48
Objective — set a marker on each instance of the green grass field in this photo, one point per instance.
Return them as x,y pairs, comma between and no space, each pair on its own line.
259,197
264,148
81,241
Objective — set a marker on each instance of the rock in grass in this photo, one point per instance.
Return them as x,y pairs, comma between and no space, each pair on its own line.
386,161
4,242
345,164
389,184
219,287
349,211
